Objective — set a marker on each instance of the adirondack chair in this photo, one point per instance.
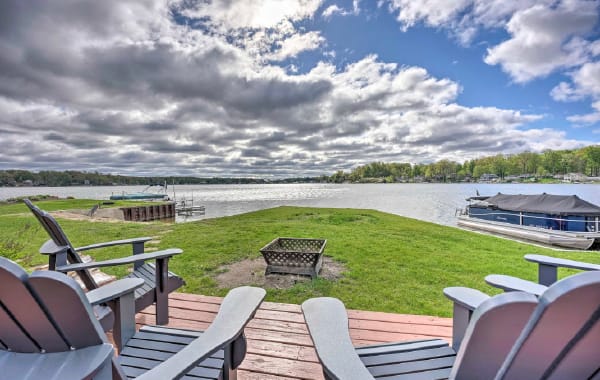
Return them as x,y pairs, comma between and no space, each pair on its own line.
48,332
547,274
158,280
510,336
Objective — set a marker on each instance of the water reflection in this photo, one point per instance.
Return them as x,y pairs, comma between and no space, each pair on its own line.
430,202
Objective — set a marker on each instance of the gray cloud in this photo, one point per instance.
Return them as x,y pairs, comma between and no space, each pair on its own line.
119,86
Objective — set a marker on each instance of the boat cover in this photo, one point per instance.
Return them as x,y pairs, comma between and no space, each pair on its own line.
544,204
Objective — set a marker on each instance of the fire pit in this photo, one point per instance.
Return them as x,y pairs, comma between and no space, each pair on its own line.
294,255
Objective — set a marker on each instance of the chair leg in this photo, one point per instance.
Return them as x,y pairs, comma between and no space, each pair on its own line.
229,373
124,327
162,291
138,248
547,274
460,320
105,372
117,371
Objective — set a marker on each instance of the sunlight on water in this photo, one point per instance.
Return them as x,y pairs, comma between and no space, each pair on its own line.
430,202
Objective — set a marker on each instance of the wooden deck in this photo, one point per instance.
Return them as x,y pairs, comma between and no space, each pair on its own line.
279,346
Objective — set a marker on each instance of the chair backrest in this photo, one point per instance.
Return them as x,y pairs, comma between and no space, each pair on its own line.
562,338
44,312
494,327
59,238
50,225
514,336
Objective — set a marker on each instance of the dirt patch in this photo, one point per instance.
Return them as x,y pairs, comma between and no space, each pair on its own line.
82,215
252,272
75,214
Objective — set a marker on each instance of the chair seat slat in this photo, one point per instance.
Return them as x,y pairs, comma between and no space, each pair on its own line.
403,357
412,345
422,365
135,358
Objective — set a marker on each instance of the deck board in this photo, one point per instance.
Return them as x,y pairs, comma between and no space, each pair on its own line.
279,346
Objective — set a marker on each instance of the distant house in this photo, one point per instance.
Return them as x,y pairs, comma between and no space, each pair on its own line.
27,182
487,177
575,177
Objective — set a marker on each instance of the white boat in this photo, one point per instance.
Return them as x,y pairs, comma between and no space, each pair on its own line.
564,221
151,192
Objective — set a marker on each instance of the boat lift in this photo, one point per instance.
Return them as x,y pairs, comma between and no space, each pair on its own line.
186,207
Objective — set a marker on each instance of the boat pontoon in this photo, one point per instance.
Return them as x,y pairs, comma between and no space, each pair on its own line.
561,220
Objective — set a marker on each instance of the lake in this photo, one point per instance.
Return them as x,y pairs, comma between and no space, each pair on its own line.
430,202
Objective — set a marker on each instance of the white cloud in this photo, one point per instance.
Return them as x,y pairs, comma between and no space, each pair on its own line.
462,18
431,12
585,82
589,118
113,90
545,39
334,9
297,43
331,10
545,36
254,14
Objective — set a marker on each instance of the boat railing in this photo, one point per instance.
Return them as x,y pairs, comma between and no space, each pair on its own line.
590,225
461,211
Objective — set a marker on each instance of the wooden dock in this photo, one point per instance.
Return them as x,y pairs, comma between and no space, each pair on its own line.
146,213
279,346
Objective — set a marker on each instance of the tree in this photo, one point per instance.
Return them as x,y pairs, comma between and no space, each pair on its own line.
551,160
499,165
592,153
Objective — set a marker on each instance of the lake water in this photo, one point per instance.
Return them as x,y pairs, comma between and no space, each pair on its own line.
430,202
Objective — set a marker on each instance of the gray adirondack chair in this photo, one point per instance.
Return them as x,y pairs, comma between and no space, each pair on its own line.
510,336
158,280
547,274
48,332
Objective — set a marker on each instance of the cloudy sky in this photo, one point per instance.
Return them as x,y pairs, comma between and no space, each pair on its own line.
291,87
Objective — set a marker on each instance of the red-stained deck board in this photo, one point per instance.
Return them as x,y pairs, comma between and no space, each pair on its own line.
279,346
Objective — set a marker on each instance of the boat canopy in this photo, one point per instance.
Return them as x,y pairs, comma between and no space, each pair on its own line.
544,204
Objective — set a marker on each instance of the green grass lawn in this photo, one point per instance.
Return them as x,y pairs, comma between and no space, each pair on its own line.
394,264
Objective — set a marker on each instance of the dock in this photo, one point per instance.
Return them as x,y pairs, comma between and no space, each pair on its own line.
147,213
279,346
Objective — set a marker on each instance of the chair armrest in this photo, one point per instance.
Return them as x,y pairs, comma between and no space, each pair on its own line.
548,267
511,284
113,243
465,297
564,263
465,301
50,248
121,261
119,296
113,290
236,310
327,322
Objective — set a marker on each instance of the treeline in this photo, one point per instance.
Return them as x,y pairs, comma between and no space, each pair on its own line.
77,178
540,165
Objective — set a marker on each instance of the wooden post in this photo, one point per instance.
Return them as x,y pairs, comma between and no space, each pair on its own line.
547,274
161,291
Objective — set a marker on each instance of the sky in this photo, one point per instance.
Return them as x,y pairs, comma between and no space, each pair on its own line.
274,88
